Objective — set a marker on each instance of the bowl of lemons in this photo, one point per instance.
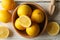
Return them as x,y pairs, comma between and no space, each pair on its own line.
29,19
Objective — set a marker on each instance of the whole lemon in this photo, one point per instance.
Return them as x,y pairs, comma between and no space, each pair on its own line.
33,30
24,10
5,16
37,16
8,4
18,26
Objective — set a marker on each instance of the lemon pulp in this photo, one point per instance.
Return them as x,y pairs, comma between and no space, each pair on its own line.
25,21
53,28
4,32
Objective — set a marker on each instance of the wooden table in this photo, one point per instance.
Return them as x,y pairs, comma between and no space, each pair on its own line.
45,36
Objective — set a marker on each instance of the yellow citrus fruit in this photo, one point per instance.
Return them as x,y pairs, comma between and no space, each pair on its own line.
53,28
5,16
8,4
33,30
25,21
4,32
24,10
18,26
37,16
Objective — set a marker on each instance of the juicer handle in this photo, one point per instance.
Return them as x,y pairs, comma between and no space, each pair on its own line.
51,7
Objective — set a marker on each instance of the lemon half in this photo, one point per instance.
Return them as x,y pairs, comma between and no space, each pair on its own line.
53,28
4,32
25,21
18,26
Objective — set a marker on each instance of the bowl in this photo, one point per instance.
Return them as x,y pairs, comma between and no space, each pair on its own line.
33,6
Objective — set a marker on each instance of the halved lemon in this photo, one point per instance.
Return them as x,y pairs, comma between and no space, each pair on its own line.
18,26
25,21
4,32
53,28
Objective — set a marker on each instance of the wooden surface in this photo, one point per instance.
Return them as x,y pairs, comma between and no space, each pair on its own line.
45,36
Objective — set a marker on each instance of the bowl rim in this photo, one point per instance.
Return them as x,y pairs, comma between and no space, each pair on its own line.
37,5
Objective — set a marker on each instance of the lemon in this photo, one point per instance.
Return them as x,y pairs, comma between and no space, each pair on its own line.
25,21
4,32
33,30
53,28
5,16
37,16
24,10
18,26
8,4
